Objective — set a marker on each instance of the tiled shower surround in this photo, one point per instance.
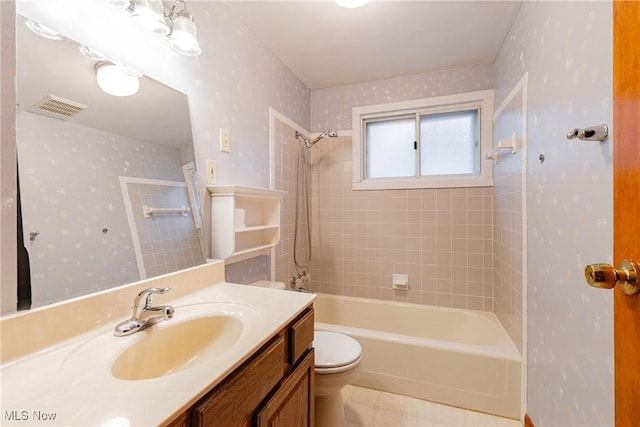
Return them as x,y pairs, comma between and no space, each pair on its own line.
440,238
285,148
168,242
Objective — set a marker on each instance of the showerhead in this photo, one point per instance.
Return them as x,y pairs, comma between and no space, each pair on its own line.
307,143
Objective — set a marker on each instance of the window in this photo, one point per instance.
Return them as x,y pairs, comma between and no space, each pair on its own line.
428,143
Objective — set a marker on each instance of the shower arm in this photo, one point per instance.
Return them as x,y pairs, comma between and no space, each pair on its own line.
308,143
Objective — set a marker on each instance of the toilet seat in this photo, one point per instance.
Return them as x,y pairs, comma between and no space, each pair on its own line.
335,352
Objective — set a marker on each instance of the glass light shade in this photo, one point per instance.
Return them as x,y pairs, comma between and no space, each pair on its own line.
43,31
114,4
351,4
115,80
149,14
91,53
183,37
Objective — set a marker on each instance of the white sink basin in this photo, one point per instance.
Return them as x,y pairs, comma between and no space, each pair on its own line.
197,333
177,346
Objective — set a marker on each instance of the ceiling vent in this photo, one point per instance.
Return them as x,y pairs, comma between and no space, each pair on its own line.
58,107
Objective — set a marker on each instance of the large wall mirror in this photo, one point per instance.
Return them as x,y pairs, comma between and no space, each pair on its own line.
107,183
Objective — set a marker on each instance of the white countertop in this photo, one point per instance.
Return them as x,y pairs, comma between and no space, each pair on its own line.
71,383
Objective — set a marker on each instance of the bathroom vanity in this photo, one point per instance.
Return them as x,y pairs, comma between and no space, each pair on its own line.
273,388
232,355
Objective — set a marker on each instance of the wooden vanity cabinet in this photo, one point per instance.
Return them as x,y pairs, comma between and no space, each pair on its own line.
273,388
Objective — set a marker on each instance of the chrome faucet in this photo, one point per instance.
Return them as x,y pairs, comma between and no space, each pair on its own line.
144,314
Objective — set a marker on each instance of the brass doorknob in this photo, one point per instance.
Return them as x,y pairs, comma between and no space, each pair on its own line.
606,277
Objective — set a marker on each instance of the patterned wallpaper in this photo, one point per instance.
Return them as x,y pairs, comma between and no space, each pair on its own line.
248,271
569,206
71,192
331,108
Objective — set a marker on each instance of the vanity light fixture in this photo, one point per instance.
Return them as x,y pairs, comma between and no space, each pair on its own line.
351,4
91,53
116,79
177,25
183,31
43,31
114,4
149,14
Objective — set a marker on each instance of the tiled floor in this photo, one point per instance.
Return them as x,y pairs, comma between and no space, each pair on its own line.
366,407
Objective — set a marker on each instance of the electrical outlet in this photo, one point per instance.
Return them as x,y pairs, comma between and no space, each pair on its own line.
225,140
212,172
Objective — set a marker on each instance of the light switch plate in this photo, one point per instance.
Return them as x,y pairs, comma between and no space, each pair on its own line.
225,140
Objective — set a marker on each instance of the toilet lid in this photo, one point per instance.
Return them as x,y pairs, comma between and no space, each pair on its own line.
334,349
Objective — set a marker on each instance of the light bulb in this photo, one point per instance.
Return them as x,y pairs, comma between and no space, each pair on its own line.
115,80
351,4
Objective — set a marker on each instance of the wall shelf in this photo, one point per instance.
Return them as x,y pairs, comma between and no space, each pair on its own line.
256,228
260,232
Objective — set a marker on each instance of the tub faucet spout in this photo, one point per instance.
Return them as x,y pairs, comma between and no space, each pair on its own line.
144,313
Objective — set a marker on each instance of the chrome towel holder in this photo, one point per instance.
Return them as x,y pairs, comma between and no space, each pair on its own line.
593,133
148,210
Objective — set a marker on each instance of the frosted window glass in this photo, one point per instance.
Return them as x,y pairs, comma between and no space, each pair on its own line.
449,143
390,148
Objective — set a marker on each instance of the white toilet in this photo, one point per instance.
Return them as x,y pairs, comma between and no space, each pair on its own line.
337,362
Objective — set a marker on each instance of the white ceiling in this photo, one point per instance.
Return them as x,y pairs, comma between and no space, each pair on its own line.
45,67
326,45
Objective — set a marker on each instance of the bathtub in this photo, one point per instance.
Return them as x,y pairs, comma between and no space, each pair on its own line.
462,358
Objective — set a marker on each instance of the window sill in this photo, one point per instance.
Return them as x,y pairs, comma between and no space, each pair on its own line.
443,182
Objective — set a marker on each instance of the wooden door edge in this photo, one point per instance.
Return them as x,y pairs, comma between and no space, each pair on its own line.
527,421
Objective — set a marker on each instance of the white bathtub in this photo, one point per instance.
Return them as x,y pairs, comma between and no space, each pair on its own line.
458,357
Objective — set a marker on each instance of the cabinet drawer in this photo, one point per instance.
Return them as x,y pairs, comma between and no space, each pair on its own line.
300,336
233,402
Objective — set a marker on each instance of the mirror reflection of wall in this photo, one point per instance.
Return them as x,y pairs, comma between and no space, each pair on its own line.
84,227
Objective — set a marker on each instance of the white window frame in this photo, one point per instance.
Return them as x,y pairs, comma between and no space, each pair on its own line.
483,100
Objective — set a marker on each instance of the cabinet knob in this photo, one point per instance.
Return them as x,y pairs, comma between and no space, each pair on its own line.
606,277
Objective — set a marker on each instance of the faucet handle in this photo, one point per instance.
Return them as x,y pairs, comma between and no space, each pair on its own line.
146,295
167,312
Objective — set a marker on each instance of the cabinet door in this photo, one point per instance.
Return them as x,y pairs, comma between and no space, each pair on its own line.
183,420
292,404
233,402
